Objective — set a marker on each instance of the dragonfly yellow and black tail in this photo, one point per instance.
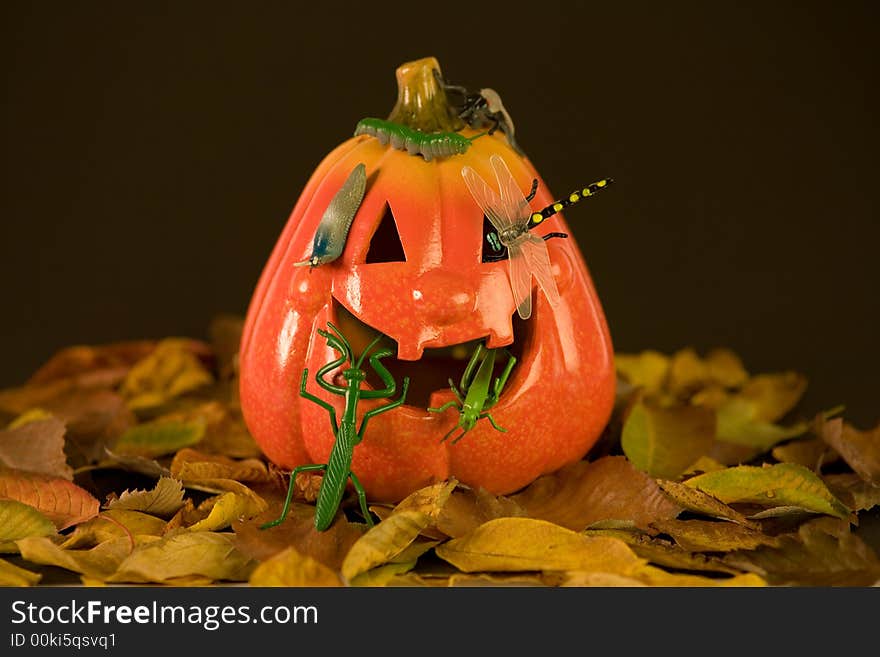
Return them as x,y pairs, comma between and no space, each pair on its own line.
574,197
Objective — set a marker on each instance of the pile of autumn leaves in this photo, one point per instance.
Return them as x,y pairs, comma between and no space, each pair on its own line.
130,463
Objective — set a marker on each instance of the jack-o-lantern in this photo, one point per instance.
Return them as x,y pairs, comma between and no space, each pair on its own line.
415,268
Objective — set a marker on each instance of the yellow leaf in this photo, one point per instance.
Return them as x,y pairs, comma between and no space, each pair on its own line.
687,372
115,523
291,568
664,441
98,562
647,370
63,502
783,484
525,544
169,371
656,577
774,394
205,554
31,415
383,542
740,423
466,580
726,368
229,507
382,575
19,520
12,575
163,500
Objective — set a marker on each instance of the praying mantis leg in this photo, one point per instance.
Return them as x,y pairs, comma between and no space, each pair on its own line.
382,409
362,498
293,475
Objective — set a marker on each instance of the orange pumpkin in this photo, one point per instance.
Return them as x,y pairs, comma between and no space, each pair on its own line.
430,298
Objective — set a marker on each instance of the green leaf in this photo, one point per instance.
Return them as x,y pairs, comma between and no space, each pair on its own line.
19,520
664,442
783,484
159,437
164,500
740,423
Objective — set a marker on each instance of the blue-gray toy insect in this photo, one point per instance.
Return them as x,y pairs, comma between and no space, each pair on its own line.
335,223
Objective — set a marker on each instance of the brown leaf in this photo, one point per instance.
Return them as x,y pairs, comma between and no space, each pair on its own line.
62,501
465,510
298,530
290,568
95,418
823,552
224,333
665,553
852,490
860,449
811,453
428,500
712,536
583,493
78,360
526,544
696,501
36,447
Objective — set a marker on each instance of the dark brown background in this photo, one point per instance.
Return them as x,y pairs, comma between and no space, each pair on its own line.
152,155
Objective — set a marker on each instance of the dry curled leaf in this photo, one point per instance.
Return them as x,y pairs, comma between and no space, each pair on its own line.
229,507
191,465
465,510
811,453
163,500
97,563
585,493
62,501
852,490
112,524
697,501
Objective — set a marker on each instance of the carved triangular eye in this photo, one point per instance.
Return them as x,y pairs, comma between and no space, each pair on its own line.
385,245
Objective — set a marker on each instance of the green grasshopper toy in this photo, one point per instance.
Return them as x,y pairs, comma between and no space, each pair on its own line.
337,470
478,399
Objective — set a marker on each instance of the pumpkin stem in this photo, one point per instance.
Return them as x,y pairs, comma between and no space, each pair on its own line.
421,101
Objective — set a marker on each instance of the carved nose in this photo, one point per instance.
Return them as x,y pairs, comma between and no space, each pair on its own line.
442,297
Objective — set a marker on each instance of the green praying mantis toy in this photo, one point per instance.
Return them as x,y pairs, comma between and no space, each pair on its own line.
478,397
337,470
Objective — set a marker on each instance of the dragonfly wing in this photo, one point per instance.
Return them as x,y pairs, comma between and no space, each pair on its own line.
513,203
486,197
520,282
537,259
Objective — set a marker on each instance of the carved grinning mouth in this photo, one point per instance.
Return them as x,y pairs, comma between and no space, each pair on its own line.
431,373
